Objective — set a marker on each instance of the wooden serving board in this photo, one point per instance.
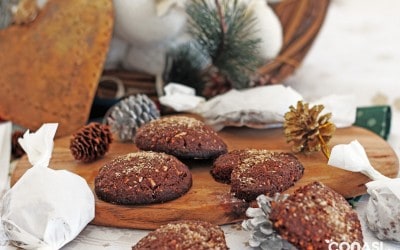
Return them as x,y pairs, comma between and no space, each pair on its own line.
210,200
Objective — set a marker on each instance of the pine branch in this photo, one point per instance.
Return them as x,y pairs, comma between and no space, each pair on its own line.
223,28
222,32
186,65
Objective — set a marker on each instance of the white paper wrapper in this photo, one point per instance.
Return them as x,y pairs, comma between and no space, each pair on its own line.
342,107
5,155
260,107
352,157
46,208
383,208
180,97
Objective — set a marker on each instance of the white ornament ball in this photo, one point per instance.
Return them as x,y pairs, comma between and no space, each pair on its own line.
138,22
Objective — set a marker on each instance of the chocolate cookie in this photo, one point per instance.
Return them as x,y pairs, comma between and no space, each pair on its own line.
181,136
142,178
199,235
224,164
314,216
252,172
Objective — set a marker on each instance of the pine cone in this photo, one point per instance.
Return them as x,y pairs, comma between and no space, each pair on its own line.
263,235
129,114
308,131
16,150
91,142
215,82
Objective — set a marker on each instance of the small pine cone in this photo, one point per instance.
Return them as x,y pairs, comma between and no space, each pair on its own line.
91,142
125,117
263,234
215,83
16,150
307,130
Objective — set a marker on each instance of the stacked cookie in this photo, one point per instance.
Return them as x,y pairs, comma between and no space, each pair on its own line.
156,175
252,172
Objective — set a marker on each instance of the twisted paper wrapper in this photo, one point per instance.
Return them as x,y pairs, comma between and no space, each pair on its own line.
383,209
46,208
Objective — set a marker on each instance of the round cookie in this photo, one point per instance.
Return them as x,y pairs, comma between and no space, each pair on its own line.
257,171
142,178
199,235
224,164
315,215
182,136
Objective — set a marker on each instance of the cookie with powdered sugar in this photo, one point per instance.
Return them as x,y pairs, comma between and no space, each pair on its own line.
184,234
315,216
252,172
142,178
181,136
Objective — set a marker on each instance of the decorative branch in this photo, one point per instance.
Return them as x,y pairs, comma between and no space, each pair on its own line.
223,28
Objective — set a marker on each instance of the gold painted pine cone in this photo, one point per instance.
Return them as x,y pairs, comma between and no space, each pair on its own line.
307,130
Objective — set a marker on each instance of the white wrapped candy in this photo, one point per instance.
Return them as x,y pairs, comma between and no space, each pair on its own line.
180,97
46,208
352,157
383,208
5,155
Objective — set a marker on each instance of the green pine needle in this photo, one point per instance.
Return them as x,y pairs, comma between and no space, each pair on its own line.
233,52
237,57
186,63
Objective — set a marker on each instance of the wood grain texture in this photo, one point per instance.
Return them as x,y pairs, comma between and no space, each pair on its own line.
210,200
50,67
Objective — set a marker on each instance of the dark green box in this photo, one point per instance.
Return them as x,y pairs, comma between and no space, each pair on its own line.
375,118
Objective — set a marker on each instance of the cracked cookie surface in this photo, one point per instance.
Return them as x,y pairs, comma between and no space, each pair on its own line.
181,136
252,172
142,178
184,234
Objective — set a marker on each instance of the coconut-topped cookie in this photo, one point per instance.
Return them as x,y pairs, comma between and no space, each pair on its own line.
185,234
181,136
142,178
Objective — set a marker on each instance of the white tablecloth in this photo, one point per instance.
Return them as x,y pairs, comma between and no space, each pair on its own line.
356,52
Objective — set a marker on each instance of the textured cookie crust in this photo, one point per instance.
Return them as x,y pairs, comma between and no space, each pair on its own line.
142,178
181,136
252,172
224,164
199,235
314,216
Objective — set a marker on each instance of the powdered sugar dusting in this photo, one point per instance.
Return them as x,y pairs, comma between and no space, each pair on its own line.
178,121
